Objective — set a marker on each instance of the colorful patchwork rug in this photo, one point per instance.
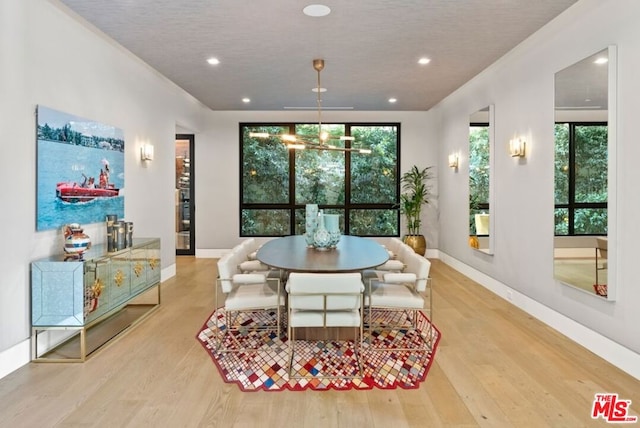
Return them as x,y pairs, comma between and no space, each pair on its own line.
260,360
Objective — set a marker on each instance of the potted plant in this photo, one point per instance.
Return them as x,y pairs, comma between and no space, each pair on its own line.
415,194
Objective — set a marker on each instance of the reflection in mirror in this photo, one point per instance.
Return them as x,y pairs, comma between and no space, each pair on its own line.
480,195
582,152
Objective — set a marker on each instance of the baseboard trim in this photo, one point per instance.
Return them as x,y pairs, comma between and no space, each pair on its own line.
168,272
13,358
211,253
623,358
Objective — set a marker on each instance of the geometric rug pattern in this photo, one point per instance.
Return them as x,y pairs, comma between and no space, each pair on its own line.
264,366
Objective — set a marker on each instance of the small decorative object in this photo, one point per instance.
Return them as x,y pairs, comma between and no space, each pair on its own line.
321,238
119,278
76,242
92,295
311,223
129,231
332,224
111,232
138,268
474,242
121,233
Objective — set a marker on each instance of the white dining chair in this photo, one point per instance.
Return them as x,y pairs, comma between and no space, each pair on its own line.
325,300
245,293
404,295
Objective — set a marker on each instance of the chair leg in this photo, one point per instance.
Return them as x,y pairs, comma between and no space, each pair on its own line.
218,333
278,313
291,349
291,339
370,323
359,348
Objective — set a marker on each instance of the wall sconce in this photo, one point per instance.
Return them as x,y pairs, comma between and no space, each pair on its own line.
453,161
517,147
146,152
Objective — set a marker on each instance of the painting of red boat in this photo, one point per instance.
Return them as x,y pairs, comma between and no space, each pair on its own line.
73,192
79,170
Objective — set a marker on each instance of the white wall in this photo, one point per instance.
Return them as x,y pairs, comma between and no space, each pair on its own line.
217,168
521,87
50,57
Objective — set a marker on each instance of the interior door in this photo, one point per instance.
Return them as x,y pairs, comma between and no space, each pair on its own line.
185,195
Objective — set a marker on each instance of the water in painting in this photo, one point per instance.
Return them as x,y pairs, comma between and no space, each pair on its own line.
80,170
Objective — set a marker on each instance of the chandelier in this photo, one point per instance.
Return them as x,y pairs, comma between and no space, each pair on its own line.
322,141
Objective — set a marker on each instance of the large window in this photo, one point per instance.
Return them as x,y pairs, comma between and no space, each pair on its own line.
581,179
276,183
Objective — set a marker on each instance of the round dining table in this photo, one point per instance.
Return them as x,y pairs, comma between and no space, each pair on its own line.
352,254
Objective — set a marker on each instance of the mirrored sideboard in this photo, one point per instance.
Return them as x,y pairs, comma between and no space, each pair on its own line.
77,306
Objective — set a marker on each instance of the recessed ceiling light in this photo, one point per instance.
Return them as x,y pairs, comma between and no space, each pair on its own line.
316,10
392,100
213,61
316,89
424,61
601,60
246,100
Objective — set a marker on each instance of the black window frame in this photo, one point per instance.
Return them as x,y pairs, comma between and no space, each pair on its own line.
572,206
292,206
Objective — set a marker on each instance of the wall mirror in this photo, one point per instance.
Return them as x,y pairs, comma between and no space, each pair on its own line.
481,144
584,173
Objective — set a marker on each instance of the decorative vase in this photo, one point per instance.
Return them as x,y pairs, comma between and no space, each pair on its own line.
129,234
76,242
417,242
311,223
332,224
111,232
473,242
121,234
321,238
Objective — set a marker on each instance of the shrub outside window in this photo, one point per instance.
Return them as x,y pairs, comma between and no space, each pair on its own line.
276,183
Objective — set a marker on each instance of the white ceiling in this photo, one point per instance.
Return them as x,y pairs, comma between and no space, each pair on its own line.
371,47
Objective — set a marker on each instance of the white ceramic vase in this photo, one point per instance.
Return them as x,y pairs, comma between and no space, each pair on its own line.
332,224
321,238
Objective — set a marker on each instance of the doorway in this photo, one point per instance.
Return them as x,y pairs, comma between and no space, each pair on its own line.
185,195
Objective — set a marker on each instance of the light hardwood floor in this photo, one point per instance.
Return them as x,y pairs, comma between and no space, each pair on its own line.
495,367
579,272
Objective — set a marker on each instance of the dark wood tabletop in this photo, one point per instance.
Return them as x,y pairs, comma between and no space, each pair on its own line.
352,254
